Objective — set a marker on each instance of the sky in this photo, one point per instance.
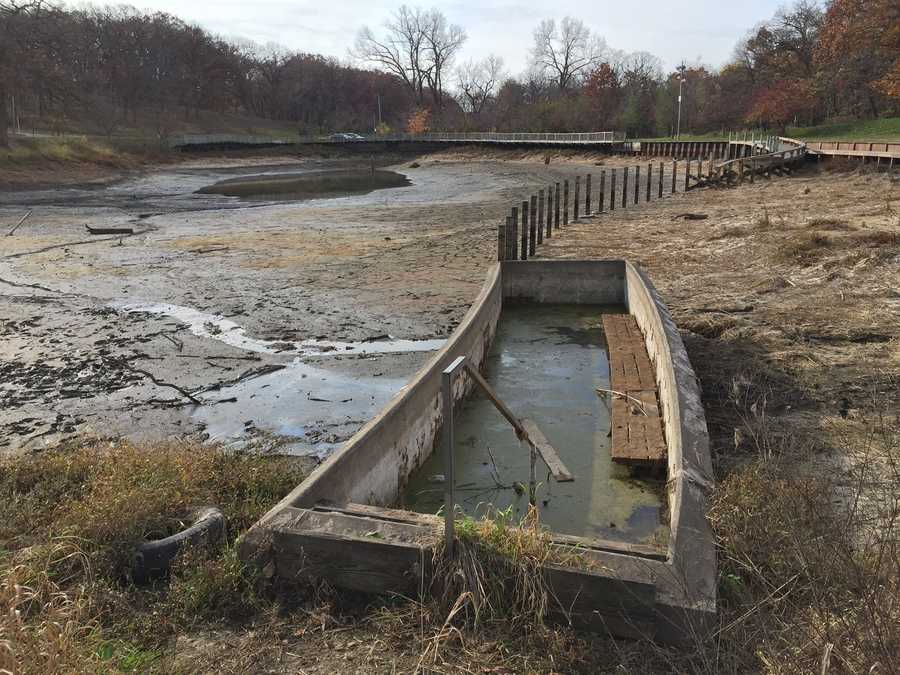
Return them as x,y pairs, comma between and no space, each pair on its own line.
696,31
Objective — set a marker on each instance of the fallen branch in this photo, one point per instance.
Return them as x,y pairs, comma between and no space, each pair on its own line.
637,401
23,219
160,383
246,375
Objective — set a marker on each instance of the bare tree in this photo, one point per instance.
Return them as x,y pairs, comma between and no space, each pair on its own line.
641,68
442,40
418,46
14,31
566,52
796,30
478,81
400,51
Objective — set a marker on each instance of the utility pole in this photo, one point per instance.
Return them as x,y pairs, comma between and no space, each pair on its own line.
681,70
378,96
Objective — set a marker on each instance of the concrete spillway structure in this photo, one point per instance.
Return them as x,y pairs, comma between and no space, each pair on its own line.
339,524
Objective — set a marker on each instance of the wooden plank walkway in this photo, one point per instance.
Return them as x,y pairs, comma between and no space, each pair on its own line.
637,436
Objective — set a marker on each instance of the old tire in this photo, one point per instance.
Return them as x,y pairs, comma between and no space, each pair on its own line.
153,558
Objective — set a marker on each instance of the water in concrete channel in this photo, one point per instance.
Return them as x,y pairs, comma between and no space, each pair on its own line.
546,364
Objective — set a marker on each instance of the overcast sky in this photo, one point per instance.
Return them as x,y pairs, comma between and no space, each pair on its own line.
695,31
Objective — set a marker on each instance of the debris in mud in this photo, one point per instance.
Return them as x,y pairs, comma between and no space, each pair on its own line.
691,216
109,230
19,224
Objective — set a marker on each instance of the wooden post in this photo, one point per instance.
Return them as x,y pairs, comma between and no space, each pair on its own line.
587,195
624,187
687,175
556,199
637,183
513,237
549,211
612,190
532,226
741,171
540,218
674,173
649,179
577,204
501,240
524,252
565,202
660,180
752,170
602,190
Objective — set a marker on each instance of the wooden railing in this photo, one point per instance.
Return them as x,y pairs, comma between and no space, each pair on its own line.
477,137
187,140
787,154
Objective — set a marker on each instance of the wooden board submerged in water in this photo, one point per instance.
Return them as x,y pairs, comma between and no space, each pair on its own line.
547,452
637,436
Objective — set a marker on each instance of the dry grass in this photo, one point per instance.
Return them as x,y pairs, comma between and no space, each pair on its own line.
829,224
70,522
805,248
806,580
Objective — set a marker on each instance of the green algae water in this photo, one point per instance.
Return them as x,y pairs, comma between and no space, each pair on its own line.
546,364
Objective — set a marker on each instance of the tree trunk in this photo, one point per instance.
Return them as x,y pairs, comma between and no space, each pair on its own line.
4,117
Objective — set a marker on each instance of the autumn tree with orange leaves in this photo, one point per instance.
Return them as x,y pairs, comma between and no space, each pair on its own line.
858,54
783,102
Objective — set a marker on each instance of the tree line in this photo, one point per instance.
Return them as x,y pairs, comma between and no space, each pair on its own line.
113,67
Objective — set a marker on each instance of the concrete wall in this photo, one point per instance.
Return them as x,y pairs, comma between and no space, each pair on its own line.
374,465
686,586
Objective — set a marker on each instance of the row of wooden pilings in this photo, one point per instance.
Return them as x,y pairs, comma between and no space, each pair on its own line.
538,217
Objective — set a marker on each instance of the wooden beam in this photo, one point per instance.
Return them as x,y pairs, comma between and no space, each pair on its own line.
547,452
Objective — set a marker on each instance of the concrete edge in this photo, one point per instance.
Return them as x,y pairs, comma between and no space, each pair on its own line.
393,443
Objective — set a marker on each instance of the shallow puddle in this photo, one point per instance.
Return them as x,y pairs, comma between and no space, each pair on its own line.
216,327
546,363
311,407
309,185
317,409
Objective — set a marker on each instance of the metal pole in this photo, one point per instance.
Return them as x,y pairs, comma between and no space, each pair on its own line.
681,70
678,128
447,378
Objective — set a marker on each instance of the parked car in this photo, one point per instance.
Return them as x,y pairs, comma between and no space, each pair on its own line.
346,136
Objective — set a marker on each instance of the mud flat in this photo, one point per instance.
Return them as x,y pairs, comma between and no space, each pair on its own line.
347,295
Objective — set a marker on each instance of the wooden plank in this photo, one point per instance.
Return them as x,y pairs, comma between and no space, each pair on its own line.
587,543
630,366
492,396
547,452
382,513
637,436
